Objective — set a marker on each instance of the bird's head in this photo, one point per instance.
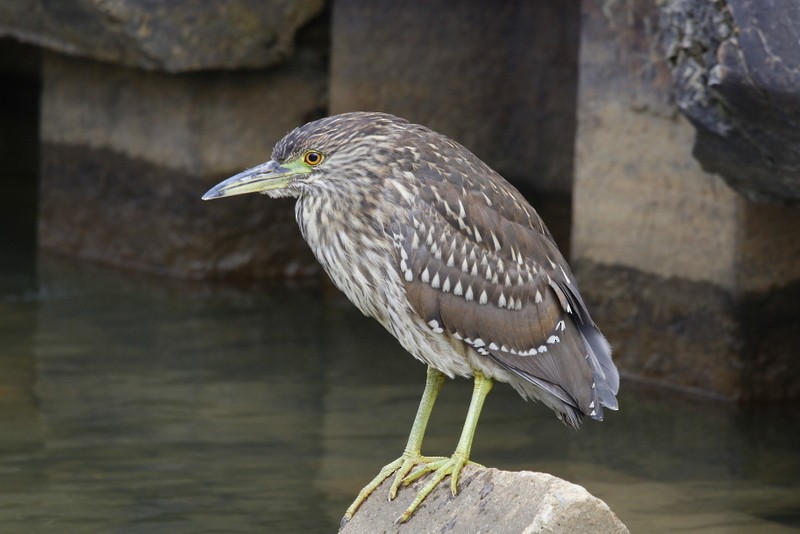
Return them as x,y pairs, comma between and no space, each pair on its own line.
321,155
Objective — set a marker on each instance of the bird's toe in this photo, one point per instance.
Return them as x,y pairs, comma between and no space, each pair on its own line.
439,469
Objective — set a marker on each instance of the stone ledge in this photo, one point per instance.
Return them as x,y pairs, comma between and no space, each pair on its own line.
490,500
165,36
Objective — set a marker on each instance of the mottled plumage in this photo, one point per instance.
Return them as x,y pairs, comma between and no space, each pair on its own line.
448,256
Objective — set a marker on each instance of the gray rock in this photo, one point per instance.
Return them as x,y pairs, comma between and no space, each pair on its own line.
173,36
736,71
489,501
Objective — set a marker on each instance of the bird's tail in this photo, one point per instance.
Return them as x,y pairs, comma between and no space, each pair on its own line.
606,376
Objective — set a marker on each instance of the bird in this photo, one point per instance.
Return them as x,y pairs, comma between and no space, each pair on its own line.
452,260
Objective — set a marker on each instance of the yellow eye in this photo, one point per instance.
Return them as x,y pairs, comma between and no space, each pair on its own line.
313,158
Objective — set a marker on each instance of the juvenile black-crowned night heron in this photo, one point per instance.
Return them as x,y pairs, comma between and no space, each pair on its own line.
423,236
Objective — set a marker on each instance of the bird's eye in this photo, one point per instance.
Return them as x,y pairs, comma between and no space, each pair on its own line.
312,158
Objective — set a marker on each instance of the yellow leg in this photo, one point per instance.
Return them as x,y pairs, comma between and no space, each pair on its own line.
451,466
412,454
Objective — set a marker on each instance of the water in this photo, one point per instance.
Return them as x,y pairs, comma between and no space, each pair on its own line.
130,404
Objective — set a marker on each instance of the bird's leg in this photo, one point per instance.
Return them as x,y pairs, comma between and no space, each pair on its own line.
452,466
412,454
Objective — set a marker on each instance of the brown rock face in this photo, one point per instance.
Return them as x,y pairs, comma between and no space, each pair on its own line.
167,36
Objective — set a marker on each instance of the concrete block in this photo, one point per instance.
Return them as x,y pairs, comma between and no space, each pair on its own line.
126,155
678,268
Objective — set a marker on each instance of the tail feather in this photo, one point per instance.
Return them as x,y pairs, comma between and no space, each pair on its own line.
598,350
606,376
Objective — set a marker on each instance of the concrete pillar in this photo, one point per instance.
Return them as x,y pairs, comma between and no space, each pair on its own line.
499,78
696,286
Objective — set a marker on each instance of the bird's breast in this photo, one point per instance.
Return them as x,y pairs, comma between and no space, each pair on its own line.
347,245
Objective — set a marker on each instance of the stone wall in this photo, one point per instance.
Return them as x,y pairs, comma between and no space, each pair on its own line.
128,147
694,282
678,267
136,118
127,154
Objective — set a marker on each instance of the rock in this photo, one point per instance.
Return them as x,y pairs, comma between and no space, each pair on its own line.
489,500
168,36
695,285
127,154
735,67
498,78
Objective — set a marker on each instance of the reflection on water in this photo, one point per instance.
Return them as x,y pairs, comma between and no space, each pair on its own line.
131,405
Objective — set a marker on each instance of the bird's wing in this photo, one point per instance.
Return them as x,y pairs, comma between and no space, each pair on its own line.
479,264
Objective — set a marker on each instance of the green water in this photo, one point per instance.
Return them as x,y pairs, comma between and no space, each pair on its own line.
130,404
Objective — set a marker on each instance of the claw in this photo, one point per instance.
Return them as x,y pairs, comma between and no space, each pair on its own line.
403,472
400,468
384,473
441,468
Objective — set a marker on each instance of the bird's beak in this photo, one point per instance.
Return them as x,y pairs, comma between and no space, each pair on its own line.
265,177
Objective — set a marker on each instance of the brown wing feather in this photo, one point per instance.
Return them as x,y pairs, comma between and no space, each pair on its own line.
482,266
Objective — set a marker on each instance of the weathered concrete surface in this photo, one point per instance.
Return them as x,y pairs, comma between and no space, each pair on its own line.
488,501
695,336
127,154
674,263
499,78
736,70
173,36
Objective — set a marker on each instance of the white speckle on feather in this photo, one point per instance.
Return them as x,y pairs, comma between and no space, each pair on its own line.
458,290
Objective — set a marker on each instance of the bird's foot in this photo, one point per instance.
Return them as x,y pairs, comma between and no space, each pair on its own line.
440,468
400,468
